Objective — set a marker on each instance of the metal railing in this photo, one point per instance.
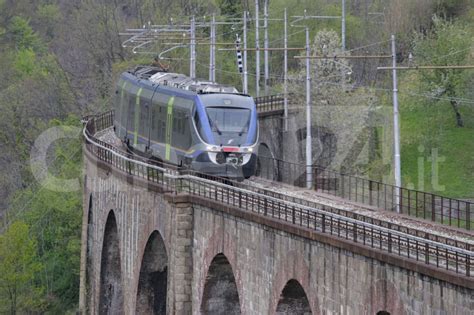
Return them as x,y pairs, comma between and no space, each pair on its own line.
271,103
430,249
429,206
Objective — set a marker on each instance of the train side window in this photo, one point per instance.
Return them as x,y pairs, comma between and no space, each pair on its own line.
162,132
153,124
124,114
131,114
175,121
144,119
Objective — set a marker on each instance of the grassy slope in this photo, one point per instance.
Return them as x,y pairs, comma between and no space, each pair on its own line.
430,125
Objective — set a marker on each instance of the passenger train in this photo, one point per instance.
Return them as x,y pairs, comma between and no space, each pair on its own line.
169,117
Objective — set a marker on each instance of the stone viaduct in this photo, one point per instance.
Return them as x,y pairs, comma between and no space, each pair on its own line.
151,248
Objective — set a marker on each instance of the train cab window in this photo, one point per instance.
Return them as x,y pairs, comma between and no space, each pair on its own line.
224,119
197,121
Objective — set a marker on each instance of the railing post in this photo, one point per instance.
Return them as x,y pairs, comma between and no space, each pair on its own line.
265,206
427,251
342,186
468,216
433,208
323,223
370,192
389,242
355,232
315,178
468,265
400,199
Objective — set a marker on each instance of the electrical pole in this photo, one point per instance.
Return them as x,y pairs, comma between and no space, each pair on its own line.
192,61
343,25
257,52
285,72
309,153
212,58
396,128
265,45
246,86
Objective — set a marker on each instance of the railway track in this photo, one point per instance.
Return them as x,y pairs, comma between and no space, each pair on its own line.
428,248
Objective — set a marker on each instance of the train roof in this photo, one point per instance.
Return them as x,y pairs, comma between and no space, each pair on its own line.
158,76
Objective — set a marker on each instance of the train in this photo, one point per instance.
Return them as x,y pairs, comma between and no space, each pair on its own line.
171,118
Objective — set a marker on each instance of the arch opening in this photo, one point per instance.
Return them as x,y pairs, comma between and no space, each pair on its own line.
383,313
153,281
111,292
293,300
220,290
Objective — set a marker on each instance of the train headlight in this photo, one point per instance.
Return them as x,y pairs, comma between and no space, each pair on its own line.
213,148
247,149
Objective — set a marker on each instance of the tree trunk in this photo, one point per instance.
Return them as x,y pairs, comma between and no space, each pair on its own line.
455,105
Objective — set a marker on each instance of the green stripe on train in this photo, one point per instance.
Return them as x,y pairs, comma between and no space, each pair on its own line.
169,127
137,116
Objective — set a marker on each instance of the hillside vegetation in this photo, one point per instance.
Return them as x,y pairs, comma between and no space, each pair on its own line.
59,60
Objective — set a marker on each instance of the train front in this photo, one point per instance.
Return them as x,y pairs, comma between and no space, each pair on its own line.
228,126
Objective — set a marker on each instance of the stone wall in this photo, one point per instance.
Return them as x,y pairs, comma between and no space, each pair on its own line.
335,281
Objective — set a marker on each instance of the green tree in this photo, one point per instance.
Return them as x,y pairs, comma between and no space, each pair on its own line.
55,223
448,43
23,35
19,292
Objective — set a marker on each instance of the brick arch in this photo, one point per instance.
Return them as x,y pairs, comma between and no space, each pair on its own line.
221,243
383,296
293,267
111,298
152,275
293,299
220,290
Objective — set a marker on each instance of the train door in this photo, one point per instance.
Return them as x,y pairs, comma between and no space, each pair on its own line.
142,128
158,124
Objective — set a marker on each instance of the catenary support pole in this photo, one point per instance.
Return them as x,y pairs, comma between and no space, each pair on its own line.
309,153
246,85
192,55
396,128
212,59
257,51
285,72
265,45
343,25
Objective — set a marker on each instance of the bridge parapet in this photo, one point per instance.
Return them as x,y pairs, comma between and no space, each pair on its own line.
261,208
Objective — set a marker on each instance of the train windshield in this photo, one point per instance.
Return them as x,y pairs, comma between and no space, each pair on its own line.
229,124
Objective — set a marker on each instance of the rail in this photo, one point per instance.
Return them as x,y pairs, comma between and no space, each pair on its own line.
428,206
454,256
